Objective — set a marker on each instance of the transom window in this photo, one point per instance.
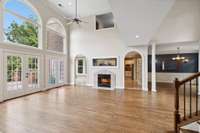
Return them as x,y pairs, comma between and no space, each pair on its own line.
21,23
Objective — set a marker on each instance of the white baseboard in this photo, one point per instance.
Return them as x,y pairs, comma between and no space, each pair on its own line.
119,88
71,83
89,85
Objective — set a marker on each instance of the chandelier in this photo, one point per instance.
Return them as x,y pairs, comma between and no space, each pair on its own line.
179,57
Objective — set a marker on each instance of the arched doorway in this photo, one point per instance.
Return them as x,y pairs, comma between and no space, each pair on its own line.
133,70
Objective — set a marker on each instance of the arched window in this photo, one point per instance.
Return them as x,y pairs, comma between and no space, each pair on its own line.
21,23
56,36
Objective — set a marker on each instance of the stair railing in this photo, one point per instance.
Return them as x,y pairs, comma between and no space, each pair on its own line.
191,113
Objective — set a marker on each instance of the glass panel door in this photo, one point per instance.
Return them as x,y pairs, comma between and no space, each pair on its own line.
32,73
14,73
52,77
55,71
61,71
21,74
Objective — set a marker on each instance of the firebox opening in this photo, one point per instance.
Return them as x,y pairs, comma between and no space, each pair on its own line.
104,80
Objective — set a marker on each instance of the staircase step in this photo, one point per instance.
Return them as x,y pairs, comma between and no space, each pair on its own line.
191,128
188,131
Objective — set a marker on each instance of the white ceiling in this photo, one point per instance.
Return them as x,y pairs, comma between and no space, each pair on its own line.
139,18
85,7
159,20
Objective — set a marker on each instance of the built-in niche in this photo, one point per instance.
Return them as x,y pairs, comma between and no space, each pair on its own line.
166,64
80,65
104,21
103,62
80,71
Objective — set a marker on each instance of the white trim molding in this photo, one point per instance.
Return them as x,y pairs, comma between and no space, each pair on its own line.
104,71
143,51
153,67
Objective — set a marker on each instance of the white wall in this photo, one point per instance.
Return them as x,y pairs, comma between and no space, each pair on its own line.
45,13
169,77
86,41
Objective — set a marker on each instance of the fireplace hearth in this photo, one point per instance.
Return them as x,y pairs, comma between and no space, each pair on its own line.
104,80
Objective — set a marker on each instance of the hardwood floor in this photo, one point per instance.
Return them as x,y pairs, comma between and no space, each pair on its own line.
85,110
132,84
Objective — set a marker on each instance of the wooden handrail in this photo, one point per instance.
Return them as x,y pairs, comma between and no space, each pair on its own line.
189,115
189,78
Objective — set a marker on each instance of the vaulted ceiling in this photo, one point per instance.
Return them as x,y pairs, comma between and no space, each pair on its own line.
85,7
181,24
141,21
138,20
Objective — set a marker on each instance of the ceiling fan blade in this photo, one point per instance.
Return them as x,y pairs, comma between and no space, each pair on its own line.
70,19
70,23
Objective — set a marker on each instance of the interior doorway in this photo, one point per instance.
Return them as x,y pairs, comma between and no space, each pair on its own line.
133,71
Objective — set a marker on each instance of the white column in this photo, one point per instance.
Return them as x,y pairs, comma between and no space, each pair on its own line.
153,67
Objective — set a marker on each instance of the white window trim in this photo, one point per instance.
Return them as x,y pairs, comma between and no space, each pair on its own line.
25,19
21,17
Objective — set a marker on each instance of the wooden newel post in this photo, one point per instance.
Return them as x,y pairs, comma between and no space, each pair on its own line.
176,113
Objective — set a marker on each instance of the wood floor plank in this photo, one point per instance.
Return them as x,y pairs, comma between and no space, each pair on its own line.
86,110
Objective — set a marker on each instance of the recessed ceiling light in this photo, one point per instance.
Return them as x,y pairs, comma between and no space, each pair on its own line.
69,3
60,4
137,36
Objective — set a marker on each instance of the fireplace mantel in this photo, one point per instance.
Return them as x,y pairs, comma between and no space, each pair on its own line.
105,72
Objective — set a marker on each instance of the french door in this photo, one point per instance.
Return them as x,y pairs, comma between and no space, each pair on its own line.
21,74
55,71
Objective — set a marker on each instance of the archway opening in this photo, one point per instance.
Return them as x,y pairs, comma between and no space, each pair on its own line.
133,70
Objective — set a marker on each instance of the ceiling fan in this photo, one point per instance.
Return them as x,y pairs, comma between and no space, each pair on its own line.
76,19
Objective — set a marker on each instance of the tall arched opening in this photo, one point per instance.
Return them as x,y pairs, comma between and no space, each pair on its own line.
133,70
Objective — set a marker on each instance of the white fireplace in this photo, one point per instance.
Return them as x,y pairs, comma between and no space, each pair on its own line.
104,79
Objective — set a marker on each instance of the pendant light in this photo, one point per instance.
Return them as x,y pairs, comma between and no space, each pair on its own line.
179,57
